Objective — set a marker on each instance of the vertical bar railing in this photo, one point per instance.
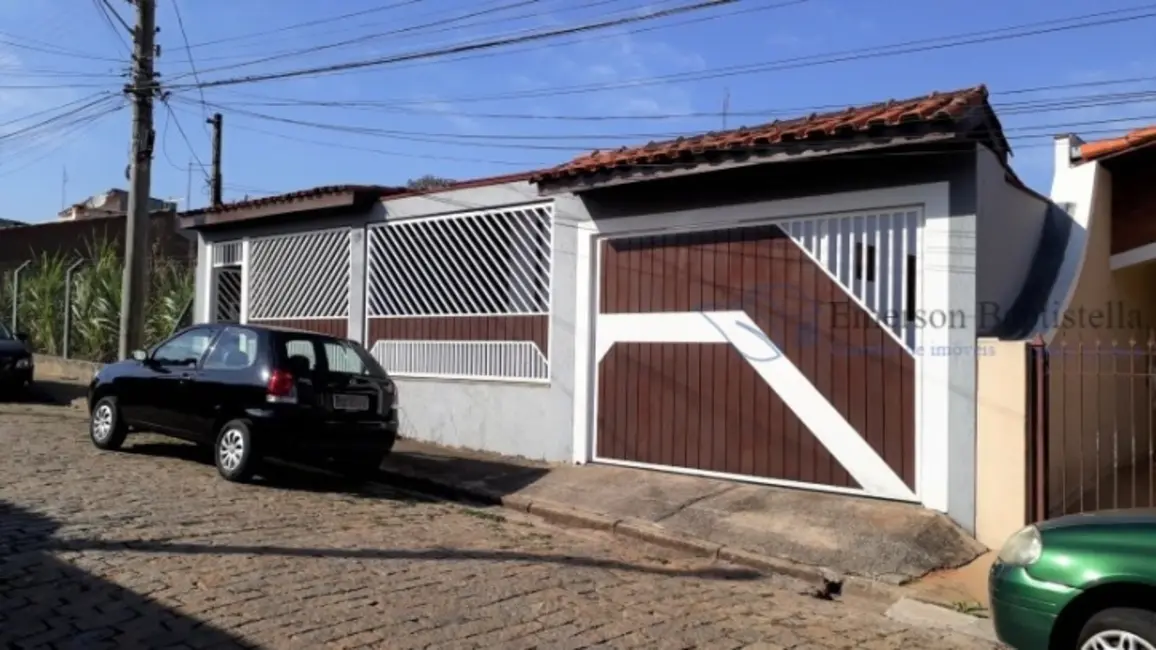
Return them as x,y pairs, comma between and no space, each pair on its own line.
66,344
1036,504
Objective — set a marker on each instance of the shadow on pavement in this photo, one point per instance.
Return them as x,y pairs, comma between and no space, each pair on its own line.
434,554
47,603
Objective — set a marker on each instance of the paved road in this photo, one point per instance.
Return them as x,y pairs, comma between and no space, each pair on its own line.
149,549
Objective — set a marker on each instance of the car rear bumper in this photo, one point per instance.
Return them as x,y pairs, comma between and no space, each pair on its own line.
1023,609
278,434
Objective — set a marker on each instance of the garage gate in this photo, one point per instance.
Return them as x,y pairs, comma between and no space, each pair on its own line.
779,353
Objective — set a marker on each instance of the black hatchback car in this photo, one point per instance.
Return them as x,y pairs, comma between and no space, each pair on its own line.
250,393
16,364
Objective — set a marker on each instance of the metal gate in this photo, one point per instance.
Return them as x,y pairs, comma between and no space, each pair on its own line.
780,353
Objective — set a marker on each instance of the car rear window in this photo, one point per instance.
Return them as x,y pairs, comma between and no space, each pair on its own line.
343,357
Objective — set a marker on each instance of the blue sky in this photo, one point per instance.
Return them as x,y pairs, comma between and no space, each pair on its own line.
489,113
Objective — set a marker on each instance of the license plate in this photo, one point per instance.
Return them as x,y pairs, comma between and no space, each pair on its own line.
351,402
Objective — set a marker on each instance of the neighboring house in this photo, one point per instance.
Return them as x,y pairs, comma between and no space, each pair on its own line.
795,303
1100,445
112,203
28,242
9,223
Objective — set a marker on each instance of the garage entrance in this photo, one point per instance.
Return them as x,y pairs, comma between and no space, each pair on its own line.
778,353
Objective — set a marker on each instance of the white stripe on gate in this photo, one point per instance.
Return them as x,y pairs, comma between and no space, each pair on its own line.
841,440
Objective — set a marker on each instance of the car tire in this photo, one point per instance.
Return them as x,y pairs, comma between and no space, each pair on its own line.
1111,624
105,427
233,452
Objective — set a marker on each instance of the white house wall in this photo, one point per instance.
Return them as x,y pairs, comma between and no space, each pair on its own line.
1010,222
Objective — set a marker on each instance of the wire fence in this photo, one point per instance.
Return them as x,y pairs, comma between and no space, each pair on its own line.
69,305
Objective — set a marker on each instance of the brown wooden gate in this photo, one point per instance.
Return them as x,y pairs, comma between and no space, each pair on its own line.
703,405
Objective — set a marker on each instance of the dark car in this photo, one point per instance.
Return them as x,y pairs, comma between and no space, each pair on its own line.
250,393
16,364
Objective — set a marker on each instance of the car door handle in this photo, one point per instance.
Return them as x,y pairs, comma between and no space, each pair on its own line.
186,376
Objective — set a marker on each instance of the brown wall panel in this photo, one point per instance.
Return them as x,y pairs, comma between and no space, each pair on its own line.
840,347
701,406
338,327
463,328
1133,206
73,239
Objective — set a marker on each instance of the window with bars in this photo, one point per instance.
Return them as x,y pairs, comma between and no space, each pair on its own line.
493,262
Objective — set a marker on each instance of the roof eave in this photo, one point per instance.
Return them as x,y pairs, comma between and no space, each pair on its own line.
581,182
312,206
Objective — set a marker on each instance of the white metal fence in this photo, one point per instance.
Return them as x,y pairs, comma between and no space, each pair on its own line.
490,263
873,256
303,276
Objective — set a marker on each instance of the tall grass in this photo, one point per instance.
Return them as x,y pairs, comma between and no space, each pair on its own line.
95,301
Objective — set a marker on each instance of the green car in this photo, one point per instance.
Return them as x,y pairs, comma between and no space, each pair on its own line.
1081,582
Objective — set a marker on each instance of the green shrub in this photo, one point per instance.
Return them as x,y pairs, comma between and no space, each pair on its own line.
95,301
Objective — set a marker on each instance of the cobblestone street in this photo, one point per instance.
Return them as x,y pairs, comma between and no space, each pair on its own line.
148,548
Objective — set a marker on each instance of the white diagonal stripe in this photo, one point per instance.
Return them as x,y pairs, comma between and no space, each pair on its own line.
829,427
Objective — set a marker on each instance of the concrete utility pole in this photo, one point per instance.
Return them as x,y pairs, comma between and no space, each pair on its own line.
215,181
134,287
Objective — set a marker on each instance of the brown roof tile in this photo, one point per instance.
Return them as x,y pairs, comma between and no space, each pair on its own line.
1103,148
296,197
947,107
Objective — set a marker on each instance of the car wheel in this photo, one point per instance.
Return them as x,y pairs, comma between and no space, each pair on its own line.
105,427
1119,628
233,453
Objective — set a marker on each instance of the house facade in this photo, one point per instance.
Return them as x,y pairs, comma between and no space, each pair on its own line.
1101,346
796,304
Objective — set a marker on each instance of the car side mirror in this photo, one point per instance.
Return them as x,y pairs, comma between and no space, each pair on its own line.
22,337
140,355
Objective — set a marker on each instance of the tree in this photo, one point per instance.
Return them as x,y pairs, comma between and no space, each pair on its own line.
428,182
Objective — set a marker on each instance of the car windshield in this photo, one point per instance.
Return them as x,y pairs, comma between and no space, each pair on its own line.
5,334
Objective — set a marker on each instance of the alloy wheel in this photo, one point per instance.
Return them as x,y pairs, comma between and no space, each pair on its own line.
102,423
232,450
1116,640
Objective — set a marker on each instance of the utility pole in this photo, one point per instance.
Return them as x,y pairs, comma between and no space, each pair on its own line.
134,286
215,181
189,186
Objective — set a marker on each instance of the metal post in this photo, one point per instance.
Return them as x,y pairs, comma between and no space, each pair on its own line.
68,306
16,292
1037,431
134,287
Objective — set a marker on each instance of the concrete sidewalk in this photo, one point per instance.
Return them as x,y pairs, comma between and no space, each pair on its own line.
778,529
805,534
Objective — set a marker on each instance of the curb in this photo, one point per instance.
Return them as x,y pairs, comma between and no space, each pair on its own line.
921,614
639,530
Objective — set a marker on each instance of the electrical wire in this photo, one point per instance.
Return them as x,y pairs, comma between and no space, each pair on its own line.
1023,30
1012,107
52,121
310,23
534,141
466,47
361,39
107,12
189,55
65,135
185,137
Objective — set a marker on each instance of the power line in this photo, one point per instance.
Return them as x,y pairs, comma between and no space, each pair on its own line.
1012,107
185,137
467,47
1023,30
107,12
361,39
309,23
189,53
547,142
46,48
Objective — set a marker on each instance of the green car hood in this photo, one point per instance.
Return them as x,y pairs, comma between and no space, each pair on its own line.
1086,550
